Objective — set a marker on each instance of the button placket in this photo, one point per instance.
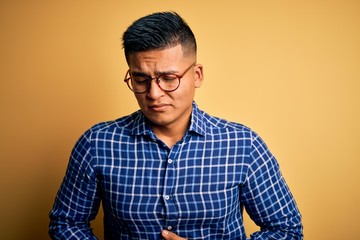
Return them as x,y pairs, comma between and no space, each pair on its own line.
171,209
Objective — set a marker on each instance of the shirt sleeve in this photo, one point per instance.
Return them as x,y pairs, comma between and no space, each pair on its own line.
77,201
267,198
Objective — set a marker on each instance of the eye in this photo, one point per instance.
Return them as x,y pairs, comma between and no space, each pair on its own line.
168,77
140,79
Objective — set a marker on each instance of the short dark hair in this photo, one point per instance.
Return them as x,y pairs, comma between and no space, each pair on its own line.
158,31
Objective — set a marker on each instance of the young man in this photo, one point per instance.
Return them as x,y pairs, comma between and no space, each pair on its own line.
170,170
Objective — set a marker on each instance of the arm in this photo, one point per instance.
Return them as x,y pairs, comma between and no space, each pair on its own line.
267,198
77,201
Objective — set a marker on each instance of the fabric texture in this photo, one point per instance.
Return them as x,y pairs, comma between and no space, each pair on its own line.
197,189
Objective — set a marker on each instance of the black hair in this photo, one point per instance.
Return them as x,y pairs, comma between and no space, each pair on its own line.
158,31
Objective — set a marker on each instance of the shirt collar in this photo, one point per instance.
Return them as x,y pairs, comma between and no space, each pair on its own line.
197,124
141,125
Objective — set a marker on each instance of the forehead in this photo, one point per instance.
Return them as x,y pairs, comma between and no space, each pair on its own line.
157,55
174,54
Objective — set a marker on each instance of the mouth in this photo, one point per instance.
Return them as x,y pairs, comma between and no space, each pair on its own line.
158,107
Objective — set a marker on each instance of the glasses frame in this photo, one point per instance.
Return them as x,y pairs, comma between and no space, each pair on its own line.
157,80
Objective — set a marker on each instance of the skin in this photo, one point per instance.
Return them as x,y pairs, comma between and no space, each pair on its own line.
169,112
170,236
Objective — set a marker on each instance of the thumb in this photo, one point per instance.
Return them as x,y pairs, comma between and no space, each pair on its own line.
167,235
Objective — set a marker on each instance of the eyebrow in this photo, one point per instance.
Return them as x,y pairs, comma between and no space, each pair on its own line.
158,73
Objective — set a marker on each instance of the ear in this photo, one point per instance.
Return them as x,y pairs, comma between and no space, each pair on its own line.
199,77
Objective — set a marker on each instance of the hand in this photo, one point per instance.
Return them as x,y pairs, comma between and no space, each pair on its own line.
167,235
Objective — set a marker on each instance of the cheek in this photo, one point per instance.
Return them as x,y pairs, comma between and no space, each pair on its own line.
139,99
187,91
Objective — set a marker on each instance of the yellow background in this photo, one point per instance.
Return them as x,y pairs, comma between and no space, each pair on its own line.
288,69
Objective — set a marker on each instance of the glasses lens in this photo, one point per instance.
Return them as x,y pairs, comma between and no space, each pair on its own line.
138,84
168,82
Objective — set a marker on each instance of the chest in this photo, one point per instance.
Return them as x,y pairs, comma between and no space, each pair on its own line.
194,181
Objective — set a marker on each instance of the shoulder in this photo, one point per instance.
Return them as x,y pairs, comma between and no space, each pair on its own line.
221,124
121,125
206,124
213,125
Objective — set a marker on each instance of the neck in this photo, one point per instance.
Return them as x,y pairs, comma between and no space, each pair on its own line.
170,135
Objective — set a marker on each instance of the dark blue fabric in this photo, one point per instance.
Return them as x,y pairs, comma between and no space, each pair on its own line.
196,189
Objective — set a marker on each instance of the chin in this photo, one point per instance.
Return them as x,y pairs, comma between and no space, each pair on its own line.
159,122
154,119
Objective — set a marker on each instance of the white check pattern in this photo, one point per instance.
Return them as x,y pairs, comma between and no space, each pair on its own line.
196,189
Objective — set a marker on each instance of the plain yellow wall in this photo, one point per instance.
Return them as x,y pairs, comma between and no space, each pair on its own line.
288,69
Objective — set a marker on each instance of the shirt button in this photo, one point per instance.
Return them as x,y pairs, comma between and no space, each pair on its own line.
170,161
167,197
169,228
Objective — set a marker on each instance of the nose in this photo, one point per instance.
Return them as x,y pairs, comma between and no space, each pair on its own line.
154,90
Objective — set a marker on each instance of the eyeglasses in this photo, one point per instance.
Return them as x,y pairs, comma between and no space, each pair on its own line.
140,83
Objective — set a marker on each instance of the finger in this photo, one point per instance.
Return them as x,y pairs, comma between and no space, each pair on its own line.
167,235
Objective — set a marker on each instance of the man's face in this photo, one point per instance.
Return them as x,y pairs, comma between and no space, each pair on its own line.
167,109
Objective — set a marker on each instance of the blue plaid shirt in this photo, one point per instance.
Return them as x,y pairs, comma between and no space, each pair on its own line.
196,189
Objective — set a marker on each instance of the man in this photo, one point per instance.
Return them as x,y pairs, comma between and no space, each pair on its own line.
170,170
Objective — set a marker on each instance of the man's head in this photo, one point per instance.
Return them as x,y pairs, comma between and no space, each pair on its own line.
163,73
158,31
